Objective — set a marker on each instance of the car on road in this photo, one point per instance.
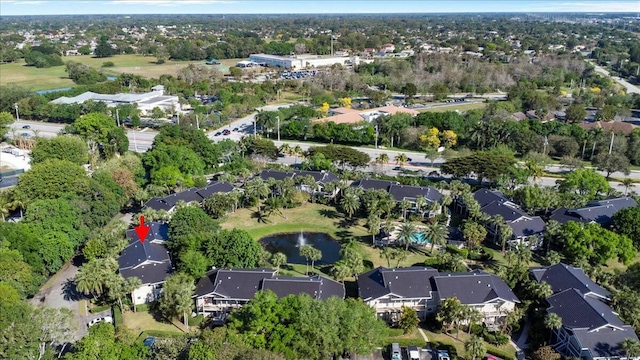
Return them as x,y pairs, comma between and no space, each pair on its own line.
27,127
25,135
226,132
409,159
397,168
235,129
107,319
217,134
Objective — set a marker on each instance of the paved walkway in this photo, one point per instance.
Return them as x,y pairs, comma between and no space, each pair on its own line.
424,336
522,340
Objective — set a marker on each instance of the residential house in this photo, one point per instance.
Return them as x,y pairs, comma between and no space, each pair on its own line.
353,116
423,288
388,290
590,328
596,211
485,292
617,127
169,202
221,291
526,229
388,48
147,260
322,178
562,277
405,192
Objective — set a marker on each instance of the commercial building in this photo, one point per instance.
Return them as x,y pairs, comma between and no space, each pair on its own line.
302,61
146,102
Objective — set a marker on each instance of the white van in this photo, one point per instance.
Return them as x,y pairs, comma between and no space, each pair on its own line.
395,352
413,353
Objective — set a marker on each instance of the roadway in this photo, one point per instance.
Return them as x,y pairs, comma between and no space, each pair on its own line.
631,89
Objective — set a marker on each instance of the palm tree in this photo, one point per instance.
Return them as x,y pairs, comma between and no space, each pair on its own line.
382,159
17,204
373,224
446,200
626,183
285,149
631,347
278,259
552,322
130,285
314,256
297,151
5,205
506,232
401,159
350,203
405,205
341,271
523,254
400,255
306,252
421,204
257,188
407,234
475,347
438,234
388,254
473,316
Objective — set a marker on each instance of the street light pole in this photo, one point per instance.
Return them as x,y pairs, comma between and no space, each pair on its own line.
118,116
17,113
611,144
376,136
278,118
197,122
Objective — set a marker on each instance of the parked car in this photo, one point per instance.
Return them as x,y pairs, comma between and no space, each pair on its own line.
413,353
235,129
27,127
395,352
217,134
443,355
25,135
107,319
397,168
226,132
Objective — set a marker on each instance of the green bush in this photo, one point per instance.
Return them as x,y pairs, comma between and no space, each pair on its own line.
108,64
477,329
405,342
117,316
454,250
501,354
143,307
196,321
101,308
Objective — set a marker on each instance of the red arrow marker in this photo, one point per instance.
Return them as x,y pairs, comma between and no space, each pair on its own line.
142,230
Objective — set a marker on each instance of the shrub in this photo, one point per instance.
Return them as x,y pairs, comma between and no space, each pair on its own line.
454,250
159,61
477,329
101,308
117,316
196,321
501,354
107,64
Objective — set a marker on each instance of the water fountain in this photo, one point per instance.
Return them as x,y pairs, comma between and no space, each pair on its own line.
301,240
289,244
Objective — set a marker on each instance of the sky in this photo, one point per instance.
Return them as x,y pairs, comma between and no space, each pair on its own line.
59,7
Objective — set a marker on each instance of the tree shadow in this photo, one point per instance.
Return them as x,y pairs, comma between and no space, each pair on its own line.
71,293
344,235
329,213
260,217
346,223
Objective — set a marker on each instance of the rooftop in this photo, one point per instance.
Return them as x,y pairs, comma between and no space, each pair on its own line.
411,282
562,277
474,287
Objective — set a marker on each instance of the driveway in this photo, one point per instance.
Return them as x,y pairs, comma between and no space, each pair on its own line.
61,292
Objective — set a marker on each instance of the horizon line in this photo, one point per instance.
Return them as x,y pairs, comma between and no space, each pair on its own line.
386,13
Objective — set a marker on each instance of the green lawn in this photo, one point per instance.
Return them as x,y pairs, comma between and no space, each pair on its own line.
461,107
56,77
446,339
143,321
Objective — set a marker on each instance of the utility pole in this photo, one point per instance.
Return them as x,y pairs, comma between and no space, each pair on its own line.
278,118
377,136
254,126
118,116
197,122
331,44
17,113
611,144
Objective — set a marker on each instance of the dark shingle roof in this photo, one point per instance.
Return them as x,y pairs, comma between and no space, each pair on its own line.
158,231
137,253
233,283
605,342
214,188
476,287
412,282
599,211
507,211
317,287
186,196
527,226
562,277
374,184
275,174
580,311
486,196
150,273
401,192
157,204
320,176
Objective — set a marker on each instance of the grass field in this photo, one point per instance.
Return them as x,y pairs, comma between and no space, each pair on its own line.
143,320
459,344
461,107
55,77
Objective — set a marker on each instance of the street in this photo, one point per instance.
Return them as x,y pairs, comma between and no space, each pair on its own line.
631,89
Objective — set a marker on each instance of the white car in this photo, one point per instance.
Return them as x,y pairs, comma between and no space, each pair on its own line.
107,319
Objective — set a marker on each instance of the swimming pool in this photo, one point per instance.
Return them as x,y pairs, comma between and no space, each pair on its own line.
420,238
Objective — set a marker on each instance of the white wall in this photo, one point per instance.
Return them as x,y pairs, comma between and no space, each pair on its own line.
146,293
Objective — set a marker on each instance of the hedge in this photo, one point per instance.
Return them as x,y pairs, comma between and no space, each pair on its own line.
161,334
101,308
501,354
117,316
405,342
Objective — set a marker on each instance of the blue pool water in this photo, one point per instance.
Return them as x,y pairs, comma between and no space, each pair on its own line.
420,238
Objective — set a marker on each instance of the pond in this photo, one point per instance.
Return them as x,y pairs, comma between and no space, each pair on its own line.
289,244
